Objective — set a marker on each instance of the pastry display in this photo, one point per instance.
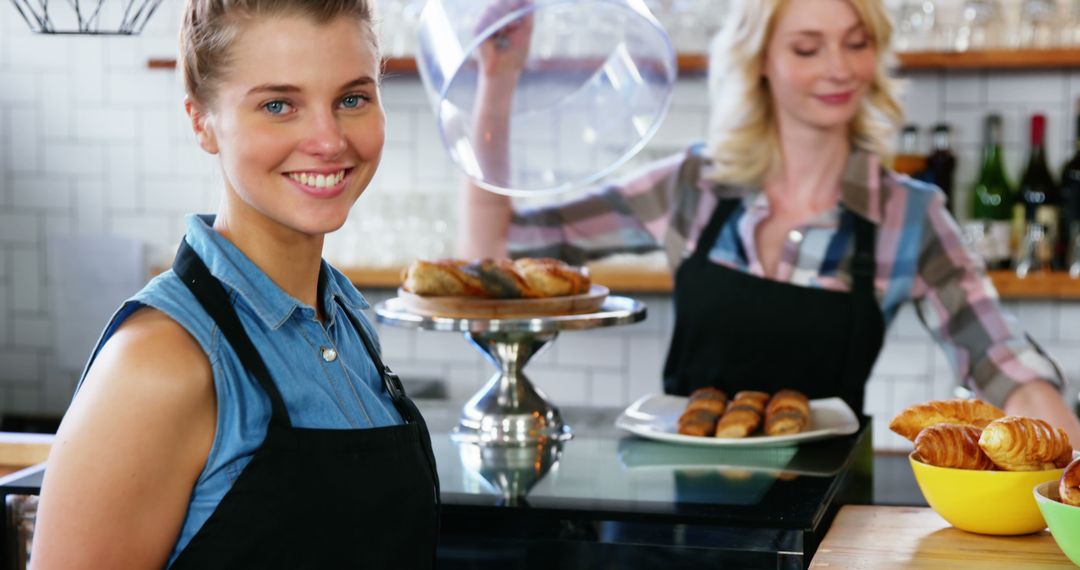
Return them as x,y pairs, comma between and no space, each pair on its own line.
1069,488
709,413
975,413
526,278
952,445
1025,444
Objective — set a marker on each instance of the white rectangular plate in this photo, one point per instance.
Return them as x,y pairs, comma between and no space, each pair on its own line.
656,417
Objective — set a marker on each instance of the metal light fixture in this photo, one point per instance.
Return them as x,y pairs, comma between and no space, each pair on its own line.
87,17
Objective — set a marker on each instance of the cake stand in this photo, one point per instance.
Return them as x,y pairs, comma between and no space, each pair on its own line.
509,409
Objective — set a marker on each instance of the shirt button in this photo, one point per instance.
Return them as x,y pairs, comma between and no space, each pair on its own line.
795,236
328,354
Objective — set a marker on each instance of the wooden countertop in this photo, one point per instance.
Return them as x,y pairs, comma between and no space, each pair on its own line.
916,537
649,279
19,450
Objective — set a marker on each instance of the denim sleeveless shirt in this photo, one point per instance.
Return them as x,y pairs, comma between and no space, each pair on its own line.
320,392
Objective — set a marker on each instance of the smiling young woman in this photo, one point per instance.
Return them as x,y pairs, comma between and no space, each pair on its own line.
792,246
249,369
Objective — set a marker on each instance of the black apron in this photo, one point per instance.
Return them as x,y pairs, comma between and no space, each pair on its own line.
737,332
317,498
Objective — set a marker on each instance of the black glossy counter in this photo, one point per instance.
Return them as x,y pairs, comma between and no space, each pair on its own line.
605,499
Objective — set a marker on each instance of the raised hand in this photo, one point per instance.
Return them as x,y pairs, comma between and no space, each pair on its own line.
505,52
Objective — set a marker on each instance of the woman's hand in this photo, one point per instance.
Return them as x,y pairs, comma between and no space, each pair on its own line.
1042,400
504,54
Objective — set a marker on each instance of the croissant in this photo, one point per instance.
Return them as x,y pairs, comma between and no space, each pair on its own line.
1069,489
495,278
913,419
788,412
697,422
1024,444
711,399
952,445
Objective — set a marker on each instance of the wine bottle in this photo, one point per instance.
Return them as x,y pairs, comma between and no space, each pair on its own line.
993,199
1040,196
1070,196
941,164
909,160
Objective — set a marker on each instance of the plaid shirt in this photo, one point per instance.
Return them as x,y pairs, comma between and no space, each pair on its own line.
921,256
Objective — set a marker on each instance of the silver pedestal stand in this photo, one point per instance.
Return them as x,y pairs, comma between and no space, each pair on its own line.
509,410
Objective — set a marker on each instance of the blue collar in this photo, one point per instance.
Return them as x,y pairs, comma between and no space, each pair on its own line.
272,305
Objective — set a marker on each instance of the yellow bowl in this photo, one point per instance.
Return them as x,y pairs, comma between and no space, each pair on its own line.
986,502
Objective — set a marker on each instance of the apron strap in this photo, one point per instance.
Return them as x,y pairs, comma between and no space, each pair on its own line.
707,239
215,300
863,270
407,409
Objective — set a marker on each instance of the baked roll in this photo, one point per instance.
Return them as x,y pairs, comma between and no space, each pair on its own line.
754,398
738,421
1025,444
697,422
975,413
711,399
788,412
525,278
553,278
952,445
743,415
1069,489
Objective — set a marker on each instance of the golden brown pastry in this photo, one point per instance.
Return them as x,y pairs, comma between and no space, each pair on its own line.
697,422
788,412
495,278
1069,489
441,278
553,278
1015,443
753,399
742,417
952,445
738,421
711,399
975,413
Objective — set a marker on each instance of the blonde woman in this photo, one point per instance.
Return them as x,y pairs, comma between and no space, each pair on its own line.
236,413
792,246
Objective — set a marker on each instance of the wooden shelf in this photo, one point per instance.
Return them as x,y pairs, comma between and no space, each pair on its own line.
698,64
690,64
629,279
990,59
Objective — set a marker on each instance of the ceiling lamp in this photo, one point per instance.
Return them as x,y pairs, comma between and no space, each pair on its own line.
87,17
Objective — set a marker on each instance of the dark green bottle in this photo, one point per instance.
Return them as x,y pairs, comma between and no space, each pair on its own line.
993,199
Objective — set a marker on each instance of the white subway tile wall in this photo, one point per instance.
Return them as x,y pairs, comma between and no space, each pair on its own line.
94,142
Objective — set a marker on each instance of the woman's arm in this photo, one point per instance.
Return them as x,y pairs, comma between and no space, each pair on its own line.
959,305
485,216
128,451
1042,400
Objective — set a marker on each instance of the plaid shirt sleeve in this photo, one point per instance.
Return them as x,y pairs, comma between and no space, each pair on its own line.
631,215
958,304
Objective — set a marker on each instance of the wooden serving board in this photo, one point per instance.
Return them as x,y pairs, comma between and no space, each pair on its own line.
478,308
885,538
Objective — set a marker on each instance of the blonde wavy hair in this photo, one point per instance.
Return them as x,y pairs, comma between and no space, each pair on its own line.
742,140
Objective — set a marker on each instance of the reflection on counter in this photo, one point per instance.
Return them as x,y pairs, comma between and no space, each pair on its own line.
510,471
